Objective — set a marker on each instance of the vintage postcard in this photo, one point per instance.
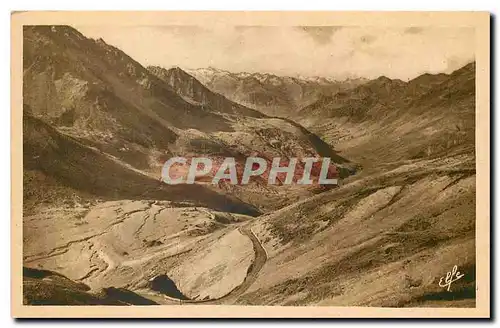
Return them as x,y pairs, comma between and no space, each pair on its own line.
250,164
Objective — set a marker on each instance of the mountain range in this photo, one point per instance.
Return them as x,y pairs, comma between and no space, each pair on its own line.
271,94
99,97
427,117
100,228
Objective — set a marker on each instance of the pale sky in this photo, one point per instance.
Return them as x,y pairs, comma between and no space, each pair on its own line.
330,51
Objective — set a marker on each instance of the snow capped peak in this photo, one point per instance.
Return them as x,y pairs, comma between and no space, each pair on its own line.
209,73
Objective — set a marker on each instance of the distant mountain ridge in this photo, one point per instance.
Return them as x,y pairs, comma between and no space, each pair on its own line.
383,91
428,116
271,94
205,74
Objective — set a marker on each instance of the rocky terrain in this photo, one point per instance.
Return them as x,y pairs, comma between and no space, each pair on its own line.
100,228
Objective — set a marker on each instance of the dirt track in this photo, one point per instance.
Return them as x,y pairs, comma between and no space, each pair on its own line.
253,271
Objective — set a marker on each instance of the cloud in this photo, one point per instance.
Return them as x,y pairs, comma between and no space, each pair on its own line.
321,34
413,30
290,50
368,38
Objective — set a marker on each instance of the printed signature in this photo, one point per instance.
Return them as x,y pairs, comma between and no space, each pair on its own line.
451,276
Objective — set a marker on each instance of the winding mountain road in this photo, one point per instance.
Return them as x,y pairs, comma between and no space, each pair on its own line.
253,271
252,274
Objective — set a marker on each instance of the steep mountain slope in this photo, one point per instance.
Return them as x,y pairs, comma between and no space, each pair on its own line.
256,134
389,233
390,120
193,91
59,170
271,94
89,84
102,98
379,240
96,92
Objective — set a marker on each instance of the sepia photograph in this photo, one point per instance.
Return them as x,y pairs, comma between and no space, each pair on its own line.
269,163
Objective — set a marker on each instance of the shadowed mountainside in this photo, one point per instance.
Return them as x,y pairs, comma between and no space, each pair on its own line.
190,88
389,120
57,167
44,287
